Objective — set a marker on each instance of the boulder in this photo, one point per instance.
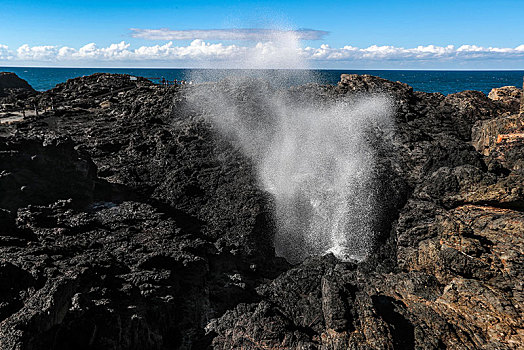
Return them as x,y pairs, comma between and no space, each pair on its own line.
10,80
509,95
14,91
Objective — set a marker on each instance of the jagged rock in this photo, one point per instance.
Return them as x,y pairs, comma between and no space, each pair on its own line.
364,309
161,227
10,80
501,140
461,290
41,171
90,91
14,91
510,95
485,134
522,99
155,234
371,84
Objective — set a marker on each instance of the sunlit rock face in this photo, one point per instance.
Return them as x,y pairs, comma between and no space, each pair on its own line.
509,95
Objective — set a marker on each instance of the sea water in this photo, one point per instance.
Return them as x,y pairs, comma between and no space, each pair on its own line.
445,82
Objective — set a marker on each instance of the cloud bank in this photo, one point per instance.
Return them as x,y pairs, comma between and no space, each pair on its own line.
249,34
199,53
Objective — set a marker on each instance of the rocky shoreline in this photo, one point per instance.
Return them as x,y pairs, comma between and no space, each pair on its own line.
128,223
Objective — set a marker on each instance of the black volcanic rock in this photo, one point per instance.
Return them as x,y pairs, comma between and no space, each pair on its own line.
140,228
91,91
14,91
41,171
414,290
202,230
10,80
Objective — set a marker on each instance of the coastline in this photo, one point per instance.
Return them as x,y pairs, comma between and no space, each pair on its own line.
128,222
443,81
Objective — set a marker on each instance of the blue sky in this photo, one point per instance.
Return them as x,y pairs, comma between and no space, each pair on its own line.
378,34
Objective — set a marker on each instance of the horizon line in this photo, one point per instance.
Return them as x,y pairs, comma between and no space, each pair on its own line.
296,69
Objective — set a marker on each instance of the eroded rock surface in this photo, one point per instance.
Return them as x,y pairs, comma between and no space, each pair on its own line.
10,80
127,229
510,95
453,276
138,227
14,91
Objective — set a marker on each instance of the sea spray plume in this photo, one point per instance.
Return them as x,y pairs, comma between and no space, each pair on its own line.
277,58
321,170
314,156
280,52
315,159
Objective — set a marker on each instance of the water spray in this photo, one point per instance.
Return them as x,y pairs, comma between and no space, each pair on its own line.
313,155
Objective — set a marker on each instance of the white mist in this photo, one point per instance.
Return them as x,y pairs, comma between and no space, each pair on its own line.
313,156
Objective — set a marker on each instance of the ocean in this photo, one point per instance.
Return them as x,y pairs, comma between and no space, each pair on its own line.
445,82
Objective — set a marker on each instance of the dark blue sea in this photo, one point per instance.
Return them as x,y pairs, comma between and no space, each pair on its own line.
445,82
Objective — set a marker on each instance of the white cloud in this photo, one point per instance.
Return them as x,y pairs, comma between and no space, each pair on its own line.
419,53
5,54
282,53
251,34
37,53
114,51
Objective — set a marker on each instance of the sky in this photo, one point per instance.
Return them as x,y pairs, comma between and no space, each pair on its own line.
349,34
